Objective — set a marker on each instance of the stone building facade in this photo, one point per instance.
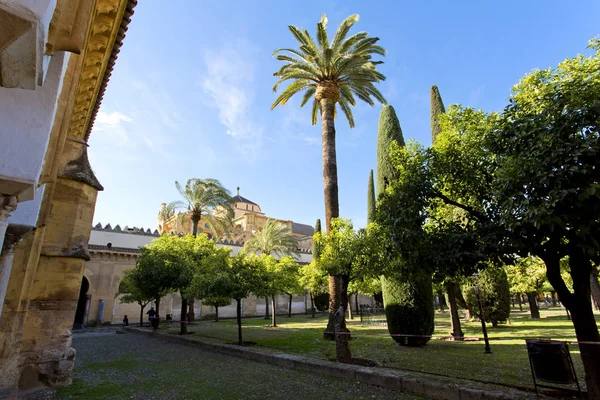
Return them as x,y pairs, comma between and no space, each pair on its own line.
115,250
247,219
56,57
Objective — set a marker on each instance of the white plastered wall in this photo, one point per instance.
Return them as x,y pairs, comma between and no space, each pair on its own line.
26,118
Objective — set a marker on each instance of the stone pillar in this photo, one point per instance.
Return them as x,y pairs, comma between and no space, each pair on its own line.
101,306
47,356
7,205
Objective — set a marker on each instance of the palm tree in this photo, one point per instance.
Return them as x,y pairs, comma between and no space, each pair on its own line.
331,73
206,199
274,238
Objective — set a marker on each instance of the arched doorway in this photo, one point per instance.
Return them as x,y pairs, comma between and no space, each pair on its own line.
82,304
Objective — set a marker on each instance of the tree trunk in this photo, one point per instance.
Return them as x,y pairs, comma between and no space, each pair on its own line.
142,314
533,306
157,301
350,316
191,314
239,320
580,305
312,304
266,308
595,288
195,222
462,303
183,319
334,304
330,191
356,306
290,306
441,300
520,302
273,313
216,313
457,332
342,334
553,295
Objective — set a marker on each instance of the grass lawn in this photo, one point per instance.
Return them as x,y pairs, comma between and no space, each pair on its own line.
508,364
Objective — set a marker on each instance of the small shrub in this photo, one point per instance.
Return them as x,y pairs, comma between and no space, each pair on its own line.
494,291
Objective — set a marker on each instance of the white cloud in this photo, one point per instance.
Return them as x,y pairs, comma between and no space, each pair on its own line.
113,119
114,127
227,81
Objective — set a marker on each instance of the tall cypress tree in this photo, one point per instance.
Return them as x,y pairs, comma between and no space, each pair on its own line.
408,300
389,131
315,250
371,199
437,109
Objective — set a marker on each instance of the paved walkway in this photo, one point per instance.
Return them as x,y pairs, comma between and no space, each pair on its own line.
130,366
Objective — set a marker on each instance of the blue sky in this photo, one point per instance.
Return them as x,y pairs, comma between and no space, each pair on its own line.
191,92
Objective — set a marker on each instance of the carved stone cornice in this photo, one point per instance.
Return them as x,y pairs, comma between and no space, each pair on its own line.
7,205
103,41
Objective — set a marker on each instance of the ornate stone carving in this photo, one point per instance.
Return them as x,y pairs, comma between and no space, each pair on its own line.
78,167
103,39
7,205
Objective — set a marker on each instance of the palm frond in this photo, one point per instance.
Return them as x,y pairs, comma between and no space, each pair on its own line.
342,31
310,92
347,62
322,33
347,111
315,112
291,90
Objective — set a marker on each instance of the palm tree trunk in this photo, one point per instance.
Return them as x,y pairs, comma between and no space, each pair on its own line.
330,191
273,313
195,222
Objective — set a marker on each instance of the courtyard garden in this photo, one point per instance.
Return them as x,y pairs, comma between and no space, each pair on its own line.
138,367
507,365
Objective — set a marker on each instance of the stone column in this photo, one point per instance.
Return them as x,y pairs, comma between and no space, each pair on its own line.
7,205
101,306
47,356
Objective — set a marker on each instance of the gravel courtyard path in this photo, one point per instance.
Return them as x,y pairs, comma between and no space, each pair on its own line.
129,366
